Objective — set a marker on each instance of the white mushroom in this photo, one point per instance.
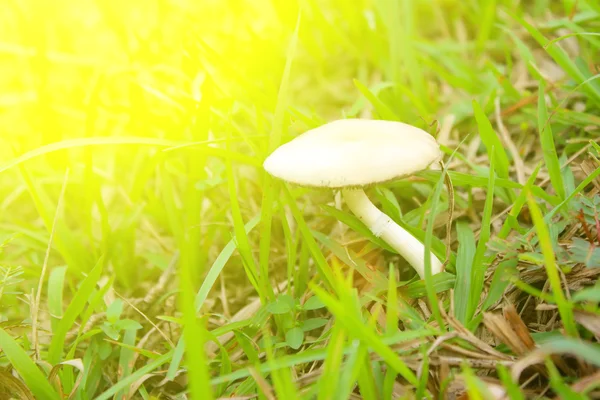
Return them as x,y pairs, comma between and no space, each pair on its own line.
350,154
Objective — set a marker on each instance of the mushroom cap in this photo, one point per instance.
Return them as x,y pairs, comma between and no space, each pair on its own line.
353,153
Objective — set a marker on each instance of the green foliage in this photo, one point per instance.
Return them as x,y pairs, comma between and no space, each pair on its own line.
547,144
585,252
31,374
464,266
565,309
294,317
479,265
178,266
492,142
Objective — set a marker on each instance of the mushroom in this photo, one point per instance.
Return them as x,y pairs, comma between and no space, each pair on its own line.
351,154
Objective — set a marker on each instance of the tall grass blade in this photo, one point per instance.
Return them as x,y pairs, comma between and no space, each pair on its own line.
564,308
547,142
479,260
563,59
31,374
74,310
491,141
366,334
268,184
464,265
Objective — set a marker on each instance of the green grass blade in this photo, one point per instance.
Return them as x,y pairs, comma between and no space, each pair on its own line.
194,335
548,148
74,310
587,351
431,292
207,285
357,225
503,275
589,179
126,383
348,374
592,4
440,283
219,264
364,372
169,145
564,309
320,354
462,179
391,312
512,388
319,258
126,355
56,281
291,246
476,388
259,281
284,89
388,384
479,261
424,377
31,374
400,17
486,24
364,333
562,59
382,110
348,257
268,184
559,386
574,34
591,294
519,203
63,239
281,377
492,142
328,381
191,265
464,262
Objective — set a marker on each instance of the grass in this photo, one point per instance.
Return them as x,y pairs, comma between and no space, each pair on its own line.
145,253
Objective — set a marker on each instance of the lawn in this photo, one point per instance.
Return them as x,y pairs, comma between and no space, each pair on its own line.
145,253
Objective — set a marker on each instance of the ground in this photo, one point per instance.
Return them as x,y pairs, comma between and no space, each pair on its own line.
147,254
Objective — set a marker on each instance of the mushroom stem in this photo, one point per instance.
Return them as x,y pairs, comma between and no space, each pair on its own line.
383,226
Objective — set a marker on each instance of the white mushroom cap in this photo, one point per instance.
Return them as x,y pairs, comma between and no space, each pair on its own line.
353,153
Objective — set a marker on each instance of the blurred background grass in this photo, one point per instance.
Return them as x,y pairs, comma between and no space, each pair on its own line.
145,103
178,71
